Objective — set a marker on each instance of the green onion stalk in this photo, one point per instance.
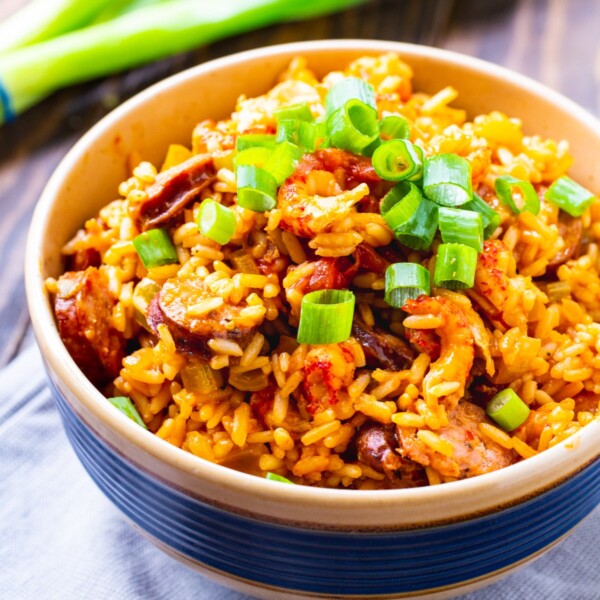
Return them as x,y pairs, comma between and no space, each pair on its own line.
41,20
32,72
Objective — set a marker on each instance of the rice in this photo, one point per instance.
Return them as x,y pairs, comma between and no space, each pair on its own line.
246,394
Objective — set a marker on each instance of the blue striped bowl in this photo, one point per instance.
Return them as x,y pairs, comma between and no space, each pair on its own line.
278,541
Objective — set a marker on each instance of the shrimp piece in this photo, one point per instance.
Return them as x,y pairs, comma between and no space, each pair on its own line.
503,296
456,345
342,176
472,453
328,369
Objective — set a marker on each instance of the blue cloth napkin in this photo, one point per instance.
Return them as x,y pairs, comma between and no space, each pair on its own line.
62,539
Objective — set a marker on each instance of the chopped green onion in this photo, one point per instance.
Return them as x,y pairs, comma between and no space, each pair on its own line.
398,159
257,189
326,317
518,195
447,179
301,133
400,203
490,218
254,140
461,226
394,127
296,112
404,281
282,161
275,477
507,409
255,155
155,248
419,230
455,266
570,196
125,405
353,127
216,221
350,88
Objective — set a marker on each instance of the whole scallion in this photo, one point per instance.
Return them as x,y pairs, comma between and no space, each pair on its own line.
152,32
41,20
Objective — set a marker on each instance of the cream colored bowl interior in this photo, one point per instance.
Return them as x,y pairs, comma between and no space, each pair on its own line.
166,113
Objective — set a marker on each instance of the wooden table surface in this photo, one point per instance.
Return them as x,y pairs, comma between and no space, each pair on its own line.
554,41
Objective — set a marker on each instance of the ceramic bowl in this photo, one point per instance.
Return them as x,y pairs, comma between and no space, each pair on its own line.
283,541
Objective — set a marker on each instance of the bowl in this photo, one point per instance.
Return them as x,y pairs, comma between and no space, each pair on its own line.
283,541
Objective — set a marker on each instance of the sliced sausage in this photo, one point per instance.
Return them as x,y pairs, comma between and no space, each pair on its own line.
377,447
83,309
382,349
472,453
174,189
192,334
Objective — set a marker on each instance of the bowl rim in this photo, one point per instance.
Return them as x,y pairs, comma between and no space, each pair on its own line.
61,363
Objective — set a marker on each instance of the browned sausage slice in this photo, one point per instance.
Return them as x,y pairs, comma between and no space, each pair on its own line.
377,445
191,334
382,349
472,453
174,189
83,308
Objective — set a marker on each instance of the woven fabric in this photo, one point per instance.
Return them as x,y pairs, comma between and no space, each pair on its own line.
63,540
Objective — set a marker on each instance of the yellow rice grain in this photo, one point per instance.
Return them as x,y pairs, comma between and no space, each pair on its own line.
497,435
310,465
252,350
433,476
522,448
225,346
406,419
318,433
435,442
260,437
280,407
294,247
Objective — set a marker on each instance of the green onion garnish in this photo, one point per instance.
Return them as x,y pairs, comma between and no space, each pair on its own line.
216,221
326,317
282,161
350,88
447,179
351,115
274,477
301,133
518,195
570,196
404,281
125,405
394,127
490,218
507,409
455,266
353,127
253,140
257,189
418,232
398,159
400,203
255,155
461,227
155,248
296,112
